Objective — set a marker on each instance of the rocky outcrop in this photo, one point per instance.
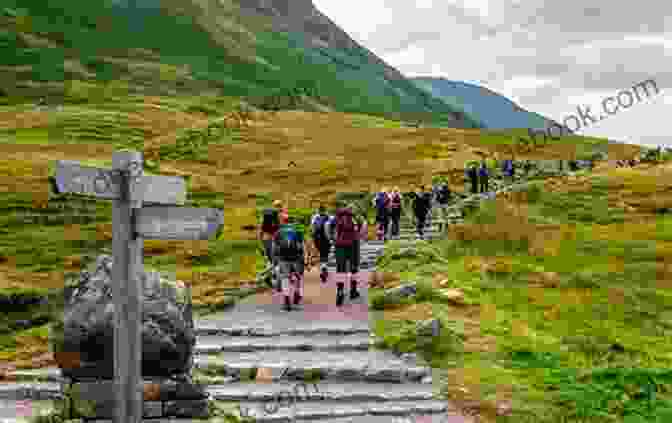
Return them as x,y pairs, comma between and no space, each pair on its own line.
83,344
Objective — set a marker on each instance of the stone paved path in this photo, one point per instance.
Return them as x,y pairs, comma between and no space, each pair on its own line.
358,383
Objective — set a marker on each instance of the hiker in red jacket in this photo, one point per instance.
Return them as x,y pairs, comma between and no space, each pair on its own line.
346,236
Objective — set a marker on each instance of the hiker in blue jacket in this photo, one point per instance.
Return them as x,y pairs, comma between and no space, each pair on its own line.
381,203
483,175
321,239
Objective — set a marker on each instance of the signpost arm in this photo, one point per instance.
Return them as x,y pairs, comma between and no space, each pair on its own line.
127,290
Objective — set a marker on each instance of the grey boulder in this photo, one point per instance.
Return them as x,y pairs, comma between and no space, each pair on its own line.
83,342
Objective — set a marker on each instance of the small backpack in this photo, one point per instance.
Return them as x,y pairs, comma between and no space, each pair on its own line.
346,231
288,243
382,201
319,231
395,200
271,220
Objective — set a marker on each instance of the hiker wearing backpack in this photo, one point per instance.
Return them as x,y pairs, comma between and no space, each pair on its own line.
381,202
288,250
394,210
421,207
346,235
321,239
472,175
269,227
483,175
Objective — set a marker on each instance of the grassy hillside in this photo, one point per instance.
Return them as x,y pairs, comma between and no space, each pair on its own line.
493,110
232,159
191,46
565,315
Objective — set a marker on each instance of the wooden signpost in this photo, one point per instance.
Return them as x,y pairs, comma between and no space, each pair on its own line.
133,221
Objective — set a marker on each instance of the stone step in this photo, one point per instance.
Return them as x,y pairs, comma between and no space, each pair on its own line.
324,391
264,412
371,366
37,391
24,411
447,417
210,344
264,320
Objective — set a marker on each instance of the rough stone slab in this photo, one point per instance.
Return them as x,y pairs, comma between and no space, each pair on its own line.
285,411
46,374
218,343
40,391
196,408
23,411
330,391
417,418
355,365
269,320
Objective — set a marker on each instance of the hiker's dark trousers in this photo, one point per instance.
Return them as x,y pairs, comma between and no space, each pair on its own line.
323,246
395,215
484,183
474,186
420,222
347,259
382,219
268,249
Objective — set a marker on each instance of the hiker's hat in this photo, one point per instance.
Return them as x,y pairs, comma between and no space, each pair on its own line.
277,203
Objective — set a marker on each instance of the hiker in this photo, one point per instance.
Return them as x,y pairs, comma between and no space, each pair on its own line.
288,250
321,239
421,208
483,176
472,174
269,227
382,203
395,211
445,194
508,169
345,234
363,235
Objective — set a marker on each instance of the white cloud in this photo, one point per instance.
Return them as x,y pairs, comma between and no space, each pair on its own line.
546,55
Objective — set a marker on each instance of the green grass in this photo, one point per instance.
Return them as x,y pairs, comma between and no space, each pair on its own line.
596,348
272,65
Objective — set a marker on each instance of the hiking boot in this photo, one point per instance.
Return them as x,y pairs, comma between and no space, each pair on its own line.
297,298
340,295
288,306
354,294
324,274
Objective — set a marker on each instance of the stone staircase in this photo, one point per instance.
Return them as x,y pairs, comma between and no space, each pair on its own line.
357,383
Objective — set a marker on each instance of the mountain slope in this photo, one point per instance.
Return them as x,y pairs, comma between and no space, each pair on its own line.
494,110
274,53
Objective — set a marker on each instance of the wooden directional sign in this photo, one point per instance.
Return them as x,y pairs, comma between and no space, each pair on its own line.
73,178
130,189
178,223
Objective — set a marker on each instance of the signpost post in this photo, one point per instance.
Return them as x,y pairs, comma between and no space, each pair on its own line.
132,222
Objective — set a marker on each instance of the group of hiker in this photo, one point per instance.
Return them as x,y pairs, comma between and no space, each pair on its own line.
478,176
286,250
388,213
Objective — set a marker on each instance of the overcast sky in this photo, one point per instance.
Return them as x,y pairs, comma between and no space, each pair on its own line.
548,56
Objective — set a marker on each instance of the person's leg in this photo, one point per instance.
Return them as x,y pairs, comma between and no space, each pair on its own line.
395,222
325,246
341,274
284,270
268,244
354,269
299,268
